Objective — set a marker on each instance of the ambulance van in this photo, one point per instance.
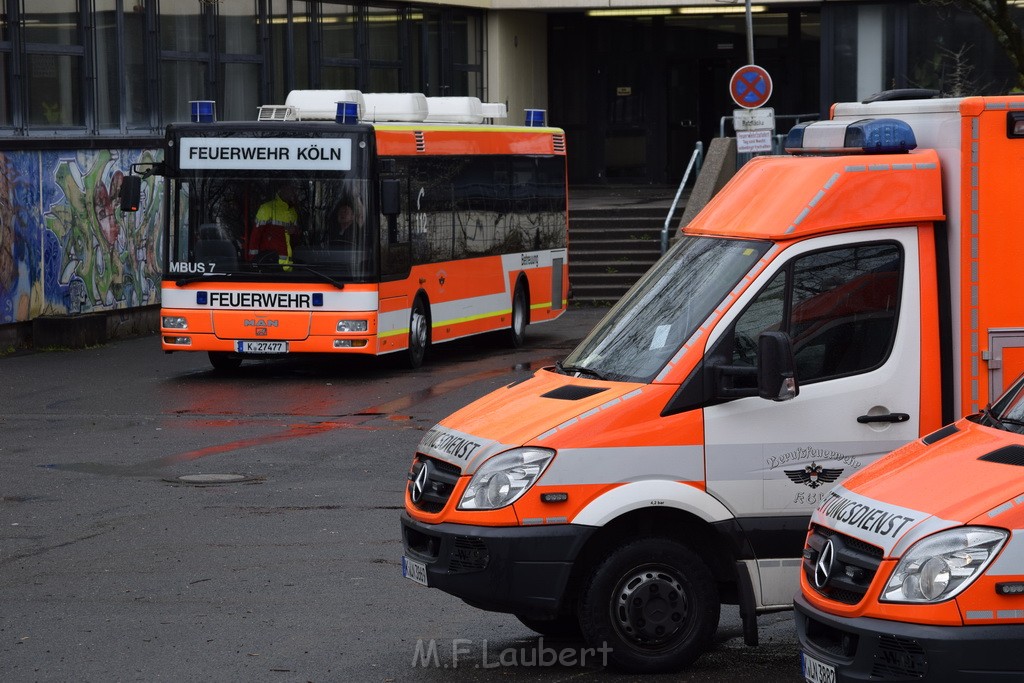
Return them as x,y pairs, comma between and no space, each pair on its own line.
914,567
825,308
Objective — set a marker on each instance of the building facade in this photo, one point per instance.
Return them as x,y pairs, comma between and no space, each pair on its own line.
88,86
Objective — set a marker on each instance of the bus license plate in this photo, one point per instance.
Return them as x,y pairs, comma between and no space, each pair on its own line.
261,347
417,571
817,672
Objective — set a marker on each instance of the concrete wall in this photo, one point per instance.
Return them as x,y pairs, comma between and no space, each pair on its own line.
517,62
66,250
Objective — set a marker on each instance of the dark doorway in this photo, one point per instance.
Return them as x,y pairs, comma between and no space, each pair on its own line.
635,94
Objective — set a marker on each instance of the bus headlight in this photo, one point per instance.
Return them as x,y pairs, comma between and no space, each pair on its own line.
501,480
940,566
174,322
352,326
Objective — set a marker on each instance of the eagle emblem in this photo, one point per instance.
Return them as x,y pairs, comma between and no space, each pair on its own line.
814,475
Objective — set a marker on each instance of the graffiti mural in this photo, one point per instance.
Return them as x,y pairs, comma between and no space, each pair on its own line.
65,246
95,257
19,238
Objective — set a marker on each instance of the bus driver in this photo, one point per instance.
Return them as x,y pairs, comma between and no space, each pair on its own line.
276,225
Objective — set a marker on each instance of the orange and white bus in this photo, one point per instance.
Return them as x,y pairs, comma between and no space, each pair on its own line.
319,229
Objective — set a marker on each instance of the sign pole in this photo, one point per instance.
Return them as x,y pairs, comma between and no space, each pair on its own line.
750,35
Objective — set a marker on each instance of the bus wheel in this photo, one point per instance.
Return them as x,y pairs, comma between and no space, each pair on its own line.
654,603
224,361
419,335
563,626
520,317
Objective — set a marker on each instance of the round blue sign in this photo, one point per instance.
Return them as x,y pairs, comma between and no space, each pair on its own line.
750,86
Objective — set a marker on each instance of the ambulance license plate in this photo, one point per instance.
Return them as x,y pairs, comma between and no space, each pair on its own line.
417,571
261,347
815,671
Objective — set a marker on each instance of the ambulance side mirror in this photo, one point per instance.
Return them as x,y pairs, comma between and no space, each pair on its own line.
131,192
776,368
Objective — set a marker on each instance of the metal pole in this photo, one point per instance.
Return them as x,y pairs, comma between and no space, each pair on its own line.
750,36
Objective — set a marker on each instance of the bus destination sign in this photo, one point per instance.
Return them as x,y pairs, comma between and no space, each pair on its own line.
284,154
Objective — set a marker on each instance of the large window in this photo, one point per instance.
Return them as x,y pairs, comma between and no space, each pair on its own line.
54,61
110,67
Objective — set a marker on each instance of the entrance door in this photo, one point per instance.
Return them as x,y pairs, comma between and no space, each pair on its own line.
850,303
1005,358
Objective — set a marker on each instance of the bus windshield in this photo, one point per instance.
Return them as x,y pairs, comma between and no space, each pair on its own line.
662,311
297,227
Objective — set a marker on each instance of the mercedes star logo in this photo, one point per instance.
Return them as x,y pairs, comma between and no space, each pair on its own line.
823,567
419,482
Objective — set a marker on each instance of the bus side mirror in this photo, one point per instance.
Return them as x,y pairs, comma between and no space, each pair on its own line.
776,368
131,192
390,196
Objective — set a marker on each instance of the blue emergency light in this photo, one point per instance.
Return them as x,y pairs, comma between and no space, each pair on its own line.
535,117
347,112
202,298
203,111
867,136
318,299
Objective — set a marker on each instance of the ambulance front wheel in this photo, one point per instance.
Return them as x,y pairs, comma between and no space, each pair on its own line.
654,603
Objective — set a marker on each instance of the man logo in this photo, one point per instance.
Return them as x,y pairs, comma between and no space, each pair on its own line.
823,567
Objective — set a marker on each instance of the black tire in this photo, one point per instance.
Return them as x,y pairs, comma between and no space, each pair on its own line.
654,603
564,626
520,317
224,361
419,335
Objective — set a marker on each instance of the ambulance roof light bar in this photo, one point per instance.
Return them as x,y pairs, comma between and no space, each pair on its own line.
867,136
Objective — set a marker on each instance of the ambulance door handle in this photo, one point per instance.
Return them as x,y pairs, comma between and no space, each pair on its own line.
886,417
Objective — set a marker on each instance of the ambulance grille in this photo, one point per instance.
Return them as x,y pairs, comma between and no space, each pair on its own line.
854,565
469,554
1008,455
898,659
439,483
559,142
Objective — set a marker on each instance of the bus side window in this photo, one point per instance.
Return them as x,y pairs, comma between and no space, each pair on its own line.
395,255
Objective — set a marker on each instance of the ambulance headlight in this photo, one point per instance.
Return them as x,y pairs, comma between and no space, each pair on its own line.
501,480
940,566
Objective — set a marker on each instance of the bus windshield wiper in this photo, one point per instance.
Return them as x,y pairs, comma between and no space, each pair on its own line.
202,276
314,271
578,370
210,276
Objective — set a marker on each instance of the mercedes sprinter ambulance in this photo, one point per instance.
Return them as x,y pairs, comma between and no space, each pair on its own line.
824,308
914,567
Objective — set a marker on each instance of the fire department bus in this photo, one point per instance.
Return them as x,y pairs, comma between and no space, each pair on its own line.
344,222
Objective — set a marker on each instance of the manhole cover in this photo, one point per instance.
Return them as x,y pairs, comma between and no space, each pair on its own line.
214,479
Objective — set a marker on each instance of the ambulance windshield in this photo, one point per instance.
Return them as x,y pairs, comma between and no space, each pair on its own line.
1008,411
663,310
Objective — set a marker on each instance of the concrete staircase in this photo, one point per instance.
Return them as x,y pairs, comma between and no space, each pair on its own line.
614,238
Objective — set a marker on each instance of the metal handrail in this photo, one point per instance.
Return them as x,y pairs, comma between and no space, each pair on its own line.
695,160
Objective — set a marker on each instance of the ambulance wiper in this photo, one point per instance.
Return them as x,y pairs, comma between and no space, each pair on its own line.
990,417
578,370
